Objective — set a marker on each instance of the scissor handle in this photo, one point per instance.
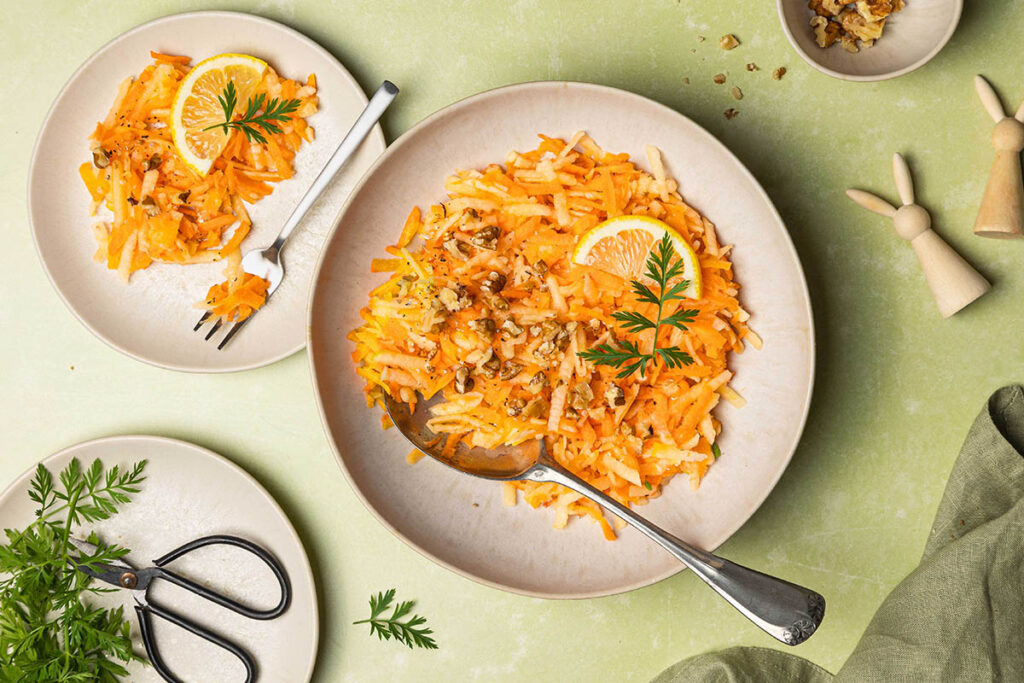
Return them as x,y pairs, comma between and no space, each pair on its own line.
144,613
223,600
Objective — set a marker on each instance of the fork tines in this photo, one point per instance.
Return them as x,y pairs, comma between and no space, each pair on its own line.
218,323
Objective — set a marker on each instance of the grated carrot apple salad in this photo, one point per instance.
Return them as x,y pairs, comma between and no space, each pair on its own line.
163,210
489,309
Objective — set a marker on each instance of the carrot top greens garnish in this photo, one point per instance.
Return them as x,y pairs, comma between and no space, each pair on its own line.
662,268
259,113
411,631
47,632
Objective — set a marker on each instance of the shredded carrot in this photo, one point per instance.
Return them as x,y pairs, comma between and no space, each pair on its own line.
163,211
515,312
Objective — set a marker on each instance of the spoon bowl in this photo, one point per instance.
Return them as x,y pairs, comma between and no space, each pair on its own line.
505,463
786,611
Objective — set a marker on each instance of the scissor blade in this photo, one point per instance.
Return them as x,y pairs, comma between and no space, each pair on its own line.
108,572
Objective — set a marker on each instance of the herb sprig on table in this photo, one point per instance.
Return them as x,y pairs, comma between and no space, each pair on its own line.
259,113
662,267
46,632
411,631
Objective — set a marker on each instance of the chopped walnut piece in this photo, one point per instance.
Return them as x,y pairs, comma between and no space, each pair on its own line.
514,406
849,43
826,32
457,248
875,10
510,330
493,283
581,396
737,93
509,370
728,42
779,73
719,79
463,382
484,327
455,299
752,67
486,237
489,368
731,113
856,26
828,8
615,396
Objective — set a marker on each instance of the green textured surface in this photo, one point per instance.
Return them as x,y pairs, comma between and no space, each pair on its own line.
897,386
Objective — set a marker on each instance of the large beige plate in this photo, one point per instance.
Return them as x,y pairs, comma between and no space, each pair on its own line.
191,492
151,319
459,521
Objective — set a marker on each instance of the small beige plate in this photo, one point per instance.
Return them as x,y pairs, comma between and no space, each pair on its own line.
151,318
459,521
911,38
191,492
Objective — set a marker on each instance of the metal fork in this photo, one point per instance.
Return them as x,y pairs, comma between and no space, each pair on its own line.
266,263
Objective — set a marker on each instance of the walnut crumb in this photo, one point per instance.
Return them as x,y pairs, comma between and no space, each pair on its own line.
751,66
737,93
719,79
731,113
728,42
779,73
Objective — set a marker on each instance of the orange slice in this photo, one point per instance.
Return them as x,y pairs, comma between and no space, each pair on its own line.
196,106
622,244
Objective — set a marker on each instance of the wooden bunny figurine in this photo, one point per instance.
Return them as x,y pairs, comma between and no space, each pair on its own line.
1002,207
954,283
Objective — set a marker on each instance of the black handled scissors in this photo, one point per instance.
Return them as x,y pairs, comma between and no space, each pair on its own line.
124,575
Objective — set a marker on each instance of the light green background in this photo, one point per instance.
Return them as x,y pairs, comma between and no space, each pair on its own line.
897,386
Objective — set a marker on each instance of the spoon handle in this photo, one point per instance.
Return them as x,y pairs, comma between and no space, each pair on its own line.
787,612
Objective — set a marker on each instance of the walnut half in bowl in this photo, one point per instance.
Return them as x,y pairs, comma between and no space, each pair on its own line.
902,34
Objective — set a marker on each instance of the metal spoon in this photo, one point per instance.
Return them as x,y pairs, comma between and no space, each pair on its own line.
784,610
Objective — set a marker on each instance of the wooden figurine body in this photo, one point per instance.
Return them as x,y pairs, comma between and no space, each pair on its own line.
1002,207
953,281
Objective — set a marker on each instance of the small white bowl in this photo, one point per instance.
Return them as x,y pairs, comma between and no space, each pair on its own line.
912,37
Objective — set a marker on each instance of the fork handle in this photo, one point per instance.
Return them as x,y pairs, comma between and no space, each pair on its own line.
786,611
360,129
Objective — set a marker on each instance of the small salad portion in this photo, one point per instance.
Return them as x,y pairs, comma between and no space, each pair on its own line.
179,155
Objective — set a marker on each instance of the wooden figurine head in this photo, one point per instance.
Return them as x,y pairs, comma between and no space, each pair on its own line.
953,281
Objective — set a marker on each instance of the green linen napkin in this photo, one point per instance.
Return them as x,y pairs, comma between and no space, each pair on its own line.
960,615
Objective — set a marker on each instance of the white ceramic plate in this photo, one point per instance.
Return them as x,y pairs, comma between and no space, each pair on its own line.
191,492
911,38
459,521
151,318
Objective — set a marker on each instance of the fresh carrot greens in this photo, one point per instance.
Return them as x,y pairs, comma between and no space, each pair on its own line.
47,633
259,113
411,631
